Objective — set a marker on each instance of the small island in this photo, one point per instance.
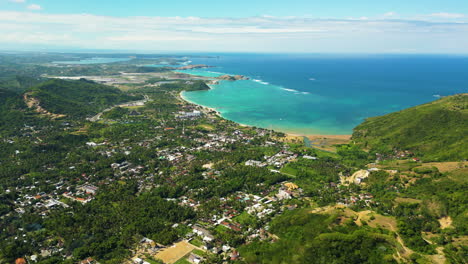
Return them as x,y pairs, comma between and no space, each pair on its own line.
228,77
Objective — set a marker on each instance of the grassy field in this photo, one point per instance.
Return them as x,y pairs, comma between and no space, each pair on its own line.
221,229
182,261
244,218
196,242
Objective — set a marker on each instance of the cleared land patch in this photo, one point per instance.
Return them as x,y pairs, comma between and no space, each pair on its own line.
172,254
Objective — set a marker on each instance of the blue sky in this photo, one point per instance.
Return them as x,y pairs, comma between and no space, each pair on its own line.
352,26
245,8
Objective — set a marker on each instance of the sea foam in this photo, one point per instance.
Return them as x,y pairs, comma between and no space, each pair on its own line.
260,81
290,90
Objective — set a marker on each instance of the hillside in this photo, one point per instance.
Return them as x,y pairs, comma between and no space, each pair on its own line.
306,237
10,109
19,83
436,131
74,98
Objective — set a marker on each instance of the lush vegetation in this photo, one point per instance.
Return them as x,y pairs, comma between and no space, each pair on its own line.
433,131
311,238
158,173
77,98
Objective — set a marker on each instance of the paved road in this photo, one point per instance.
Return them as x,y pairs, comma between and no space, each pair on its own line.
133,103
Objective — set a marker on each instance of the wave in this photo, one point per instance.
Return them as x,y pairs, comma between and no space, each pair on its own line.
312,79
294,91
438,96
290,90
260,81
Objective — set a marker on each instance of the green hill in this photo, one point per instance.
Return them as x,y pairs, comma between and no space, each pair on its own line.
304,237
19,83
76,98
13,112
436,131
10,103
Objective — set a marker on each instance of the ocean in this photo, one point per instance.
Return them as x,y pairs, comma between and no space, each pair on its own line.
96,60
325,94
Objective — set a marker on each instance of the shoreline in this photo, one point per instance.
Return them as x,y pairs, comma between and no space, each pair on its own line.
319,136
208,109
290,135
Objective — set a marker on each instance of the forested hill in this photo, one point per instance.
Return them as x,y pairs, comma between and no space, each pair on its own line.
76,98
18,83
436,131
10,107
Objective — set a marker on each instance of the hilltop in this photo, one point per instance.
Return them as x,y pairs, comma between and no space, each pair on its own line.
435,131
74,98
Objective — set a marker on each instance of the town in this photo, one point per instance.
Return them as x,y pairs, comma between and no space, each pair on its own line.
152,178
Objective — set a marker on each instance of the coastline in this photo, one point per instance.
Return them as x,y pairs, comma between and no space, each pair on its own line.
289,136
209,109
206,108
337,139
318,136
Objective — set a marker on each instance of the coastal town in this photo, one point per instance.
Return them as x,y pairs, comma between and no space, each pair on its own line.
220,185
240,213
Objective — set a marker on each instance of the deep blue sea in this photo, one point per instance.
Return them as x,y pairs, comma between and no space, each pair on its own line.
326,94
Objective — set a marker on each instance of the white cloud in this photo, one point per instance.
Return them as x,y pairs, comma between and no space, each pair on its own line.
18,1
390,14
253,29
265,33
447,15
137,38
34,7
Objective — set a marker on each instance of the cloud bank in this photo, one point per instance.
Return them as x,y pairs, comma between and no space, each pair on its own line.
433,33
34,7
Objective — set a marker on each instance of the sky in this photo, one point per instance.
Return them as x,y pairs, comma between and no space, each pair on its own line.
309,26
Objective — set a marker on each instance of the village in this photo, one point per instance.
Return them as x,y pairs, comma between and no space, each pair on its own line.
168,148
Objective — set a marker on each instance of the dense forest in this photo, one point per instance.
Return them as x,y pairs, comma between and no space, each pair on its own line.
77,98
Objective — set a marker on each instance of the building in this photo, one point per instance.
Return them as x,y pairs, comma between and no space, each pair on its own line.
88,188
88,261
207,236
193,258
234,255
20,261
254,163
282,194
291,186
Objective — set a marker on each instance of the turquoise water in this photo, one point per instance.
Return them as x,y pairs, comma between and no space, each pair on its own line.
93,61
163,64
325,94
234,101
159,65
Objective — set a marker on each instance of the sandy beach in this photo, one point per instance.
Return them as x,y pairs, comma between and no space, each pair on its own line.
205,108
